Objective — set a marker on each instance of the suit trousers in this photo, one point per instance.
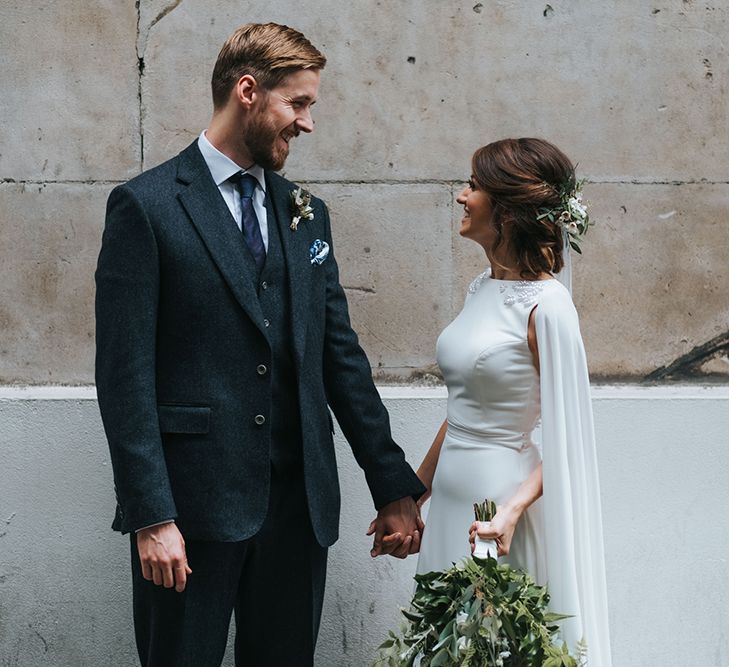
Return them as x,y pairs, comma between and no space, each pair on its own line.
274,582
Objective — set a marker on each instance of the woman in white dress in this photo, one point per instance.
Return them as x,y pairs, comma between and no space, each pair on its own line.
514,363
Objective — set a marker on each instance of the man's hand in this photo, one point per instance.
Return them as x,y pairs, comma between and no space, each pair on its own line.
397,529
162,554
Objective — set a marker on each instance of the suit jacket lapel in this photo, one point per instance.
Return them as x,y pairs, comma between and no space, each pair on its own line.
217,228
296,254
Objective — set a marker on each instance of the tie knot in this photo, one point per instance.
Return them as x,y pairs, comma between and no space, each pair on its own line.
245,182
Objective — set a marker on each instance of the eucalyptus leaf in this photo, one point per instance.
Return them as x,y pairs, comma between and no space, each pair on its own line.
440,659
551,617
412,616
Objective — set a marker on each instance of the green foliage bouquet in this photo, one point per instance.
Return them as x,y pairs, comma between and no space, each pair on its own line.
478,614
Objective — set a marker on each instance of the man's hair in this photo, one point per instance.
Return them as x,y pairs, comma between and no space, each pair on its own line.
269,52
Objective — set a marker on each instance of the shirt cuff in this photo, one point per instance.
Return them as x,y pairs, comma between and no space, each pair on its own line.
152,525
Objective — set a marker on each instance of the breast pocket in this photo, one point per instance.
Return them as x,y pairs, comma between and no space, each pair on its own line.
191,419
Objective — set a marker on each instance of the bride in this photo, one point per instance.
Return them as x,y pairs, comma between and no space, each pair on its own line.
519,421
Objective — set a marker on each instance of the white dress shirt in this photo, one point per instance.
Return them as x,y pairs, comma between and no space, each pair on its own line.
222,168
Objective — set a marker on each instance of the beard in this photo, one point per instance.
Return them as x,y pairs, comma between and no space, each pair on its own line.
262,142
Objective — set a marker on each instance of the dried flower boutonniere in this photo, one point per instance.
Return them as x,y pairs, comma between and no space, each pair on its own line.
300,207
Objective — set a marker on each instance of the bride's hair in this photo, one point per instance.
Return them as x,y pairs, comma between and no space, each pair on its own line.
522,176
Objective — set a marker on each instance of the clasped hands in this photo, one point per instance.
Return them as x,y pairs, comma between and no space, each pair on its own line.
397,529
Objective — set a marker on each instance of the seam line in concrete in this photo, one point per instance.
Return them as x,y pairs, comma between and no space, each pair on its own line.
444,183
699,181
12,181
460,181
599,392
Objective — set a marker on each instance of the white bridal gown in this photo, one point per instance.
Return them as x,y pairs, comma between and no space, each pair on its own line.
495,401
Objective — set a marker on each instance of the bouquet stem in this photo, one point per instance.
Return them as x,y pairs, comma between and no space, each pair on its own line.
484,512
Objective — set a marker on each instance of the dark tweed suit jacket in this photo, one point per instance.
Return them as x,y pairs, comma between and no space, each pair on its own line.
180,336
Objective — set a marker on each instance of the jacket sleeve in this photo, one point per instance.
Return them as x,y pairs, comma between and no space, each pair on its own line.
355,401
127,288
571,497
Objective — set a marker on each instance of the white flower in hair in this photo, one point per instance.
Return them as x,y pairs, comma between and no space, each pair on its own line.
571,213
576,207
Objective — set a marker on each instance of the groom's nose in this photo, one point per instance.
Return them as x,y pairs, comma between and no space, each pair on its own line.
304,121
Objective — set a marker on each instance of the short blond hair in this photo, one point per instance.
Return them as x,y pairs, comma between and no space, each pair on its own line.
268,52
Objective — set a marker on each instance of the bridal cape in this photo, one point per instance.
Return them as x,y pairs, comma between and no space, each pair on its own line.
574,550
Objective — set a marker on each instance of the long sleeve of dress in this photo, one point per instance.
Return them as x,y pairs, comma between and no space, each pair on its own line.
571,499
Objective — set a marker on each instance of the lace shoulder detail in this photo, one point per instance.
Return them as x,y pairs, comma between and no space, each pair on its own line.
523,292
476,283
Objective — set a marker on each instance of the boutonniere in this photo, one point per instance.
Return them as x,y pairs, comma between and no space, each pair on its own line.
300,207
319,251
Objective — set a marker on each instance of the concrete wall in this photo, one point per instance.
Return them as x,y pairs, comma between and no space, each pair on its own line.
635,92
65,581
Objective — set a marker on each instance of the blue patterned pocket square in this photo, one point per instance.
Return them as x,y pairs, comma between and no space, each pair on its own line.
319,251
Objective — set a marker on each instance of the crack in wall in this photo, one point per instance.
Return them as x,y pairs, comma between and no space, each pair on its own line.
689,365
171,7
141,46
143,31
140,74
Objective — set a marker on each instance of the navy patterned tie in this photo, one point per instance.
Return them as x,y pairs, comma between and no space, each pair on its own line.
246,185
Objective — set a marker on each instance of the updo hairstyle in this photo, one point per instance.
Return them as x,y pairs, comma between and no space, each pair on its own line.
522,176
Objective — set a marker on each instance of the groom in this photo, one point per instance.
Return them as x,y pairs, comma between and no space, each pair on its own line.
222,337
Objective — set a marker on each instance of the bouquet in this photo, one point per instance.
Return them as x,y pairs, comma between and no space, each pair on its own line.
478,614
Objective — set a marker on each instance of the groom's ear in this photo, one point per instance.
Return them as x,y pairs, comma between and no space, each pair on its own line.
247,91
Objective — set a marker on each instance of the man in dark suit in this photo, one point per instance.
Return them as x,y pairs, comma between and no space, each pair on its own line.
222,338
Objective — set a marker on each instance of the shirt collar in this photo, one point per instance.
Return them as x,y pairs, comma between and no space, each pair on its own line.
222,167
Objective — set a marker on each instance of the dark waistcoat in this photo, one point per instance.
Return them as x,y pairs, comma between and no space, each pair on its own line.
273,294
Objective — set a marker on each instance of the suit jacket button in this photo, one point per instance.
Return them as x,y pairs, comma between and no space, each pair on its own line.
260,420
261,369
264,285
266,323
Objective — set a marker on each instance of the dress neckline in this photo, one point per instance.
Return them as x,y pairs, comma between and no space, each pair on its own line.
516,280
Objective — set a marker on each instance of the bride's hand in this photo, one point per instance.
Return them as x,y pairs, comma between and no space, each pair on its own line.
501,529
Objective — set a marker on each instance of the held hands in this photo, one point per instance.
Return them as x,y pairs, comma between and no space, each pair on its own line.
397,529
162,555
501,529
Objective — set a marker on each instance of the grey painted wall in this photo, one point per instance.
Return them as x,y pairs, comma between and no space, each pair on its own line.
65,582
636,92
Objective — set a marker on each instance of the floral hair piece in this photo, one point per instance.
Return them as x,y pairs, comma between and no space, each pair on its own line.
571,213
